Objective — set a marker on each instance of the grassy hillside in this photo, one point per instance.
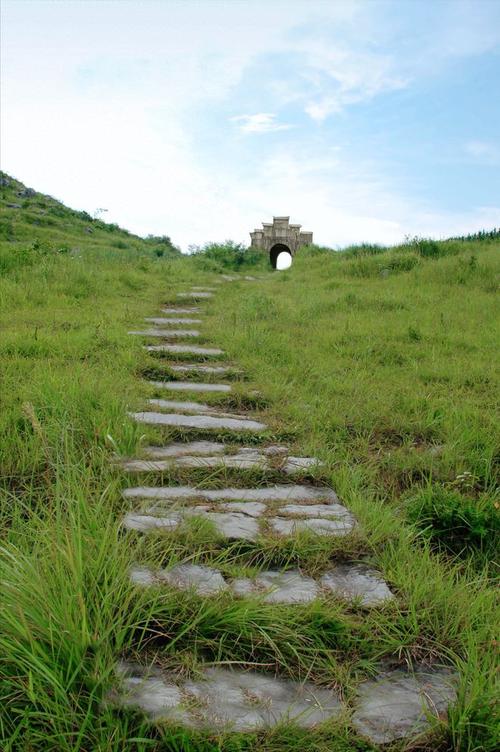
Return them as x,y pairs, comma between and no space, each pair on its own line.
34,225
380,362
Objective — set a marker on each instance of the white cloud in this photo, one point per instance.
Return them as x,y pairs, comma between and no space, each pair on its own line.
483,151
343,77
261,122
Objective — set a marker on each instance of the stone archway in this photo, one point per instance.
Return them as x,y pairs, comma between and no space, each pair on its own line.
275,252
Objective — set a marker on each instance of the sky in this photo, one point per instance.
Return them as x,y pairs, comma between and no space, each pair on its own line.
364,120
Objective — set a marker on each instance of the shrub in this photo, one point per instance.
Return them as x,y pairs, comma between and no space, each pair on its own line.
229,255
363,249
456,523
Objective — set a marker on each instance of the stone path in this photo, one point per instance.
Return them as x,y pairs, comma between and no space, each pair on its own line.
393,704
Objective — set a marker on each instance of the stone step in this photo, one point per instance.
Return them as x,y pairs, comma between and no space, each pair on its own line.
201,368
184,406
172,320
279,493
167,333
197,288
266,458
188,349
397,704
197,421
352,582
185,309
225,699
181,449
190,386
196,295
240,513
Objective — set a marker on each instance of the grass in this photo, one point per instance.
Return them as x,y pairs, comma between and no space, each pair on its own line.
384,375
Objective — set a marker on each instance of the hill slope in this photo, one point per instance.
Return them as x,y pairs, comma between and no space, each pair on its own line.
29,219
379,362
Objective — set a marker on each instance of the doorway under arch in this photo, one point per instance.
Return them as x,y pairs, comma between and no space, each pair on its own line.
275,251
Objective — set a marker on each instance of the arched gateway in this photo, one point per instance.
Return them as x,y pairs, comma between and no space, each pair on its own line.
279,237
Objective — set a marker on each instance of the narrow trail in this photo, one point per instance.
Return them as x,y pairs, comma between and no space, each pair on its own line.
394,704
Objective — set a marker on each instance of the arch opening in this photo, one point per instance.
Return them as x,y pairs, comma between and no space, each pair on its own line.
280,252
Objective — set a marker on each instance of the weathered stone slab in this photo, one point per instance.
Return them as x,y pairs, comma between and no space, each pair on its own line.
357,581
396,704
314,510
188,349
168,321
185,309
239,512
246,458
270,493
199,294
197,421
146,522
278,587
318,526
234,525
289,586
225,699
300,464
186,406
167,333
190,386
189,448
251,508
203,580
200,368
231,525
197,288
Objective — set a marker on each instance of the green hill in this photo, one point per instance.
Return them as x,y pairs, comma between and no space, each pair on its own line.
32,221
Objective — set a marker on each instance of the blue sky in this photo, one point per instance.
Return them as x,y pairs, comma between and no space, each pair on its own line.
363,120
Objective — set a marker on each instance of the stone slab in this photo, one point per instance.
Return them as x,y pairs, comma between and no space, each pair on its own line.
167,333
195,294
239,513
246,458
231,525
357,581
288,587
234,525
188,349
225,699
197,288
269,493
197,421
185,309
186,406
182,449
278,587
168,321
318,526
202,580
396,704
190,386
200,368
314,510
